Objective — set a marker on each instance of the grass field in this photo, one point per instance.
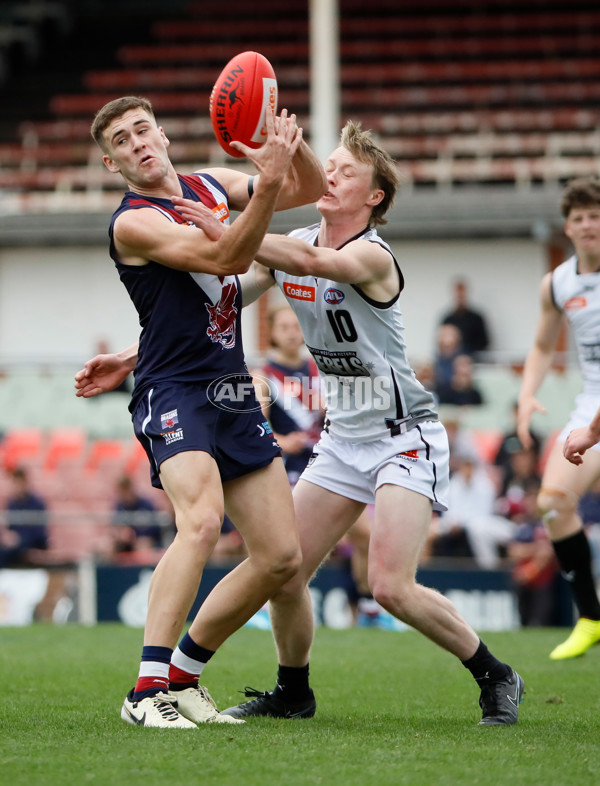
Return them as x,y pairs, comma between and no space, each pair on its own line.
392,709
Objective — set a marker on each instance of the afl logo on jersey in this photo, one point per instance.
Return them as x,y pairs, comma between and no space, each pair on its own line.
333,296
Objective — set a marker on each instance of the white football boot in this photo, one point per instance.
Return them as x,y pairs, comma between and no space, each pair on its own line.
197,705
158,711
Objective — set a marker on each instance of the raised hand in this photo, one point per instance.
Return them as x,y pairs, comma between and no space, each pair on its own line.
283,139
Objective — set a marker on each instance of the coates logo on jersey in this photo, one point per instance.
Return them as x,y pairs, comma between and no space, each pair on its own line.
575,303
221,211
333,296
298,291
222,318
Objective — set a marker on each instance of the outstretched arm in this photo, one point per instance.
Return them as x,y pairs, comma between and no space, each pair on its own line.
255,281
304,183
105,372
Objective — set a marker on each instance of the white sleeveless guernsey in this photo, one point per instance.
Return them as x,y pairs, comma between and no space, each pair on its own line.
358,345
577,295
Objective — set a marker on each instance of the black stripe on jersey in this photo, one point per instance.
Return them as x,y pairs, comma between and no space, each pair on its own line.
379,303
552,295
398,398
427,455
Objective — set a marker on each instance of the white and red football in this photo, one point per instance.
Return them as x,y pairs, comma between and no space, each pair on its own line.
239,100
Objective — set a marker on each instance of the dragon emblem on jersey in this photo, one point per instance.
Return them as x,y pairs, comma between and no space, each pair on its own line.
222,317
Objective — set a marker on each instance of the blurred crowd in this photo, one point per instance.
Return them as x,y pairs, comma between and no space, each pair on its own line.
492,521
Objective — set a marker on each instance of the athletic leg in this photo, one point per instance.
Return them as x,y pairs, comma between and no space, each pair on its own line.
260,504
399,532
322,517
562,486
191,480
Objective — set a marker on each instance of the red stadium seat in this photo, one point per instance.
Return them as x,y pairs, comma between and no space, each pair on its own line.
103,452
66,445
21,446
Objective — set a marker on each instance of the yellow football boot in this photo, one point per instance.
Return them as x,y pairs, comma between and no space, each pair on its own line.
584,634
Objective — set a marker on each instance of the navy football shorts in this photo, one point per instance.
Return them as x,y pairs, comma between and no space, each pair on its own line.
173,418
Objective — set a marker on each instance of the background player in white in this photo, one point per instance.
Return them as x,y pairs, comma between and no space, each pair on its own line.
382,441
186,292
571,292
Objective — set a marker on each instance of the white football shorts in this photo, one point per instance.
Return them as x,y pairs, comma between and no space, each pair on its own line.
417,460
586,406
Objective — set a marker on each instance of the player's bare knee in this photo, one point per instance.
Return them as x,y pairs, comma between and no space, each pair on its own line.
284,565
200,532
556,506
394,596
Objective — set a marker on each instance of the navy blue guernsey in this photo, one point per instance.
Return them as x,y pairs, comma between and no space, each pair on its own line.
191,322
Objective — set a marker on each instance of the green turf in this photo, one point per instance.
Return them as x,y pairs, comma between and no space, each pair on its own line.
392,709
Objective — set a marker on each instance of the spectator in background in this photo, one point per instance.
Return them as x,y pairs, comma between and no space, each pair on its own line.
448,347
471,508
24,539
535,569
292,399
510,445
462,390
589,505
470,323
460,439
425,373
522,475
137,529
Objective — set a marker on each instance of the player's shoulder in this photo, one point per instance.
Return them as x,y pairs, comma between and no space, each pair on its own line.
136,220
308,233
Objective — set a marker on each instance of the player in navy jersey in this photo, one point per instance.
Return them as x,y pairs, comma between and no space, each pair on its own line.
570,293
382,440
193,405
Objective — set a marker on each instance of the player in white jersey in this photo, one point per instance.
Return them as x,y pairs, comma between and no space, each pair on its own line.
382,442
571,293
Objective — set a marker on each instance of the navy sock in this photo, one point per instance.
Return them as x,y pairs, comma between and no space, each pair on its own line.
485,667
154,672
187,664
575,558
293,681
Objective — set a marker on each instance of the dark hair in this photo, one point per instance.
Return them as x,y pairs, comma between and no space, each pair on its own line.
580,192
385,172
114,109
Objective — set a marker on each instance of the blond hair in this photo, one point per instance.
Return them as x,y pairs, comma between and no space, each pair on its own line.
385,173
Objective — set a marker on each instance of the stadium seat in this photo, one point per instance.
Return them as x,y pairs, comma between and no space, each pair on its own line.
136,460
74,534
487,441
66,445
21,446
103,452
